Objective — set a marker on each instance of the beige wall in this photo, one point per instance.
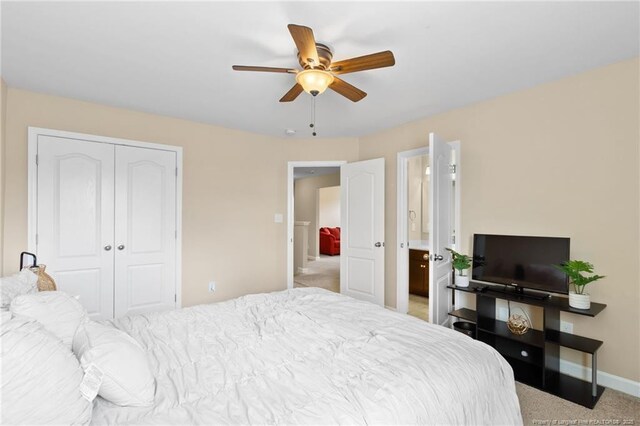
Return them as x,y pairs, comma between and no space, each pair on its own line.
3,110
306,207
329,207
560,159
234,183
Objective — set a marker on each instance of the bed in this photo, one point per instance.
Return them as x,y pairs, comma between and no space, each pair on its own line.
310,356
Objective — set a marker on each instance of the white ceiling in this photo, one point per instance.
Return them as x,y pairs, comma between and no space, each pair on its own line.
174,58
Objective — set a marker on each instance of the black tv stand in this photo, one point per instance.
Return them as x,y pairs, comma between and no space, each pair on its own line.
535,355
518,292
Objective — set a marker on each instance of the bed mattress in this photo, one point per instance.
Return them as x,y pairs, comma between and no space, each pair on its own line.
310,356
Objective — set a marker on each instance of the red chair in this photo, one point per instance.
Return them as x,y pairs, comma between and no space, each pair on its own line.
330,241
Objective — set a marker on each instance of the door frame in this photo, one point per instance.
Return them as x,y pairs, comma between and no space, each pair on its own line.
290,205
402,254
32,186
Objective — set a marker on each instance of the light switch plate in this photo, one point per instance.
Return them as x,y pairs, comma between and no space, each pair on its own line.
278,218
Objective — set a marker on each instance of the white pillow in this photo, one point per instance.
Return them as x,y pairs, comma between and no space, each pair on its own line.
23,282
58,312
127,377
40,377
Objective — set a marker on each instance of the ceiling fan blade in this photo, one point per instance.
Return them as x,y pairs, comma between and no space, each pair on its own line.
362,63
347,90
264,69
306,44
292,94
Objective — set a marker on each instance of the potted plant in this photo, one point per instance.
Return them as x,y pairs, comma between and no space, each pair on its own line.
460,262
575,270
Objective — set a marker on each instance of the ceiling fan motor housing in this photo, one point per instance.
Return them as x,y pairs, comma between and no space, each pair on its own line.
324,54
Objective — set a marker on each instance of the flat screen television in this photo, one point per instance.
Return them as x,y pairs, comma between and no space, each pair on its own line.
522,262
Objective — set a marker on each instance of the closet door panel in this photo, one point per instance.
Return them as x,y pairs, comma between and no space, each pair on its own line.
145,230
75,220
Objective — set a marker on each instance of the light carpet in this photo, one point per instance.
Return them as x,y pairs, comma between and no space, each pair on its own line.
323,273
541,408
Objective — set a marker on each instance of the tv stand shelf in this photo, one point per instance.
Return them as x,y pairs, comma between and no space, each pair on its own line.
535,355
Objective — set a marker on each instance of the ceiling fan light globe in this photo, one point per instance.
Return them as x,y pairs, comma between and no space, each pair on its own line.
314,80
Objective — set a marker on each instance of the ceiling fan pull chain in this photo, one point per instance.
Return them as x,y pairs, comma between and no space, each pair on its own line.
313,115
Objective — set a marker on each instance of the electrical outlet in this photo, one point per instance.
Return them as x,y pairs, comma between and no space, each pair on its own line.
212,286
566,327
503,314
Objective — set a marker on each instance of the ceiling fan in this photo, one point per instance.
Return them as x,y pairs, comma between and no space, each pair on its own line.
319,72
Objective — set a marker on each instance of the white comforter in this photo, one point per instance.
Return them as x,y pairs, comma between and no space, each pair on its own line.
312,356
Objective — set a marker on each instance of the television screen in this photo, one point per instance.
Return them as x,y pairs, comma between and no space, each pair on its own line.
521,261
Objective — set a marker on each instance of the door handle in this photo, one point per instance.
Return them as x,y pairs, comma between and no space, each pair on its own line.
425,257
107,248
436,257
378,244
120,247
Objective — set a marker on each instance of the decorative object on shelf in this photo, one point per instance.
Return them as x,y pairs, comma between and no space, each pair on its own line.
460,262
518,324
574,269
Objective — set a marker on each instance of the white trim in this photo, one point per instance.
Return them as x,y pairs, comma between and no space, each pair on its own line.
290,204
455,145
32,186
605,379
402,237
312,258
178,227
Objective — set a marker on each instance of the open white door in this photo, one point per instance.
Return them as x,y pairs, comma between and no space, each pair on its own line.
440,224
362,233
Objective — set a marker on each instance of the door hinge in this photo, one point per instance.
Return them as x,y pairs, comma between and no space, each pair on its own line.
452,168
453,239
176,172
36,239
175,298
36,159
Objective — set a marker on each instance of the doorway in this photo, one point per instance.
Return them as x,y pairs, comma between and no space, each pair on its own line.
314,225
416,205
418,173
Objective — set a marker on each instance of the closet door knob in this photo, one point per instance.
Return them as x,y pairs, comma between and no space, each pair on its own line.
107,248
120,247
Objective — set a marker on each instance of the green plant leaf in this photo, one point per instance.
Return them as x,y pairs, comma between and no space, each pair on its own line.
576,270
460,262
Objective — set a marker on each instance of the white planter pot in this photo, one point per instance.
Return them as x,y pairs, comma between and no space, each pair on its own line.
462,281
579,301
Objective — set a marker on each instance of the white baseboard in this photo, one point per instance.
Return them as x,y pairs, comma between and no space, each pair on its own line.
605,379
302,270
390,308
309,257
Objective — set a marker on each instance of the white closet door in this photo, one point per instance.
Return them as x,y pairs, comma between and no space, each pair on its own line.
145,233
75,219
